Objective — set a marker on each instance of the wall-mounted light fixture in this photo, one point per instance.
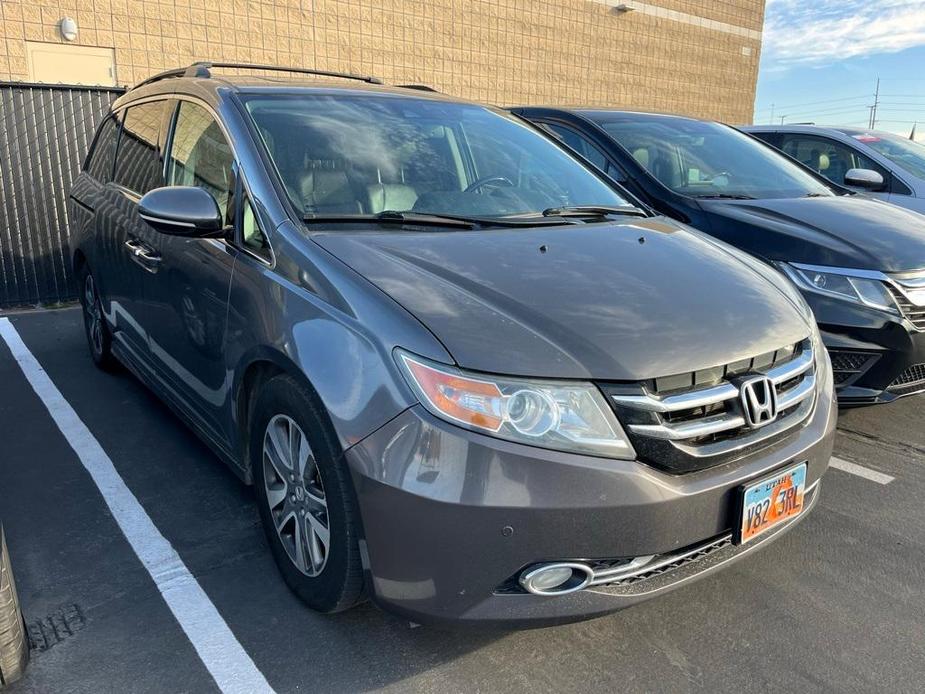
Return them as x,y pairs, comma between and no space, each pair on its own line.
68,28
623,8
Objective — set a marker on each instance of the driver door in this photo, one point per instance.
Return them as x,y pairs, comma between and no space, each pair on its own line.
187,293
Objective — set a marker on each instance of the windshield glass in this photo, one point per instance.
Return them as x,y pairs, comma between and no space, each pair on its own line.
705,159
350,154
904,153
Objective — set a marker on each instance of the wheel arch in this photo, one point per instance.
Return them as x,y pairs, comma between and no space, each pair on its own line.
257,370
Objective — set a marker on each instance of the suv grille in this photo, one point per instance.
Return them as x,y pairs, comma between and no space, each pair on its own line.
909,381
915,313
696,420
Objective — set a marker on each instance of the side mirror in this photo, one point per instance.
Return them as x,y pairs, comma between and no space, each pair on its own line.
864,178
181,211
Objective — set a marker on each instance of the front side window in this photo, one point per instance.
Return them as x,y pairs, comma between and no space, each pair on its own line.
99,165
201,156
827,157
369,154
905,153
580,144
706,159
138,163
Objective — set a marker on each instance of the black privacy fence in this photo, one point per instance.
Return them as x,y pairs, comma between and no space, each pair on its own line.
45,131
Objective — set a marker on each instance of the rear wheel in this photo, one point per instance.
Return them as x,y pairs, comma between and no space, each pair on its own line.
305,497
14,649
99,338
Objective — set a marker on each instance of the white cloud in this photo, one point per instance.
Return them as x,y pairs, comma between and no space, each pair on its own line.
797,32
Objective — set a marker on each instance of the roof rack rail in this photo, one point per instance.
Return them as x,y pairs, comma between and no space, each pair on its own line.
419,87
203,69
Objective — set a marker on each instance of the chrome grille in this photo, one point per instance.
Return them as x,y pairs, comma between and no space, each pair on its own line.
911,301
701,425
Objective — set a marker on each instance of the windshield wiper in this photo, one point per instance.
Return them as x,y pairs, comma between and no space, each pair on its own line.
724,196
592,211
428,219
392,217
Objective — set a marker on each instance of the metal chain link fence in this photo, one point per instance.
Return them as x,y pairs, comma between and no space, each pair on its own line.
45,132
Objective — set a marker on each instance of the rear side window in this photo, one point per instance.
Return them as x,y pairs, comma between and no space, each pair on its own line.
138,165
99,164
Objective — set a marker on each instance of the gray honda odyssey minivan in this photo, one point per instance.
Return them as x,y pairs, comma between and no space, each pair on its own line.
467,377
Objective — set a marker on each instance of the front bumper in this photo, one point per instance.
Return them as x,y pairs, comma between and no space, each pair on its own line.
877,357
450,515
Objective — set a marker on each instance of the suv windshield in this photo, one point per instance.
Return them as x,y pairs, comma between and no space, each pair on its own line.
364,155
904,153
706,159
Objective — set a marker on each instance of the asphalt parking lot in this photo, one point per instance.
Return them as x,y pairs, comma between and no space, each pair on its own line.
835,605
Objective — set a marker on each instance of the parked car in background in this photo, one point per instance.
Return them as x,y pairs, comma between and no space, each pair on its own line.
14,645
468,376
881,164
860,263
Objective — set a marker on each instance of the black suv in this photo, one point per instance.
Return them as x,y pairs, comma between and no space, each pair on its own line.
467,376
859,262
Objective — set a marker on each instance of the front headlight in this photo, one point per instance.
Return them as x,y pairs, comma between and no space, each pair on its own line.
860,286
564,416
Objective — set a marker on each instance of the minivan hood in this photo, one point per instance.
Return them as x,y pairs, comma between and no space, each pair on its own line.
630,301
843,231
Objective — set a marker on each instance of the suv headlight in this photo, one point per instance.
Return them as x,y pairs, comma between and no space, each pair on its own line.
860,286
565,416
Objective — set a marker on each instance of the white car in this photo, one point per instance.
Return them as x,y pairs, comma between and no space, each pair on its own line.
14,649
884,165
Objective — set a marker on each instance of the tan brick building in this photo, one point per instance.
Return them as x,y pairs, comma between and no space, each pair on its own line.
687,56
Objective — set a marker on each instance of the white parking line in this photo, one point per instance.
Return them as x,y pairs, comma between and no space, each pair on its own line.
221,653
860,471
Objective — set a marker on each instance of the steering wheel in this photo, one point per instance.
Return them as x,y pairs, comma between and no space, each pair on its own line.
488,180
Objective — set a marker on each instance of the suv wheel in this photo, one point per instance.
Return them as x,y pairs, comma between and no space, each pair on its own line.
99,338
305,497
14,649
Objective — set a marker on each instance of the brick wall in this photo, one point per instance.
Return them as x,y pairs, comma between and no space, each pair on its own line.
686,56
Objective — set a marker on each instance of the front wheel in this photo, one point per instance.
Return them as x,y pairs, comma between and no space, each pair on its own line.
14,648
305,497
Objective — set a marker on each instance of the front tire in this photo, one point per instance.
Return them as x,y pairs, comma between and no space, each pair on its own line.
14,647
99,339
305,497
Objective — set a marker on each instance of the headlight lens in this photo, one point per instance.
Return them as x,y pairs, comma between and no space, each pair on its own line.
563,416
841,283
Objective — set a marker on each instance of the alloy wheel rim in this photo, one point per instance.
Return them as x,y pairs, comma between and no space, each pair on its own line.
295,495
94,315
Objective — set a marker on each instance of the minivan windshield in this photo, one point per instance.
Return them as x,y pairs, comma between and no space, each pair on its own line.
903,152
706,159
349,154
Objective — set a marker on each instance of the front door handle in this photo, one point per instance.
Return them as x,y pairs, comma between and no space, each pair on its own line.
144,255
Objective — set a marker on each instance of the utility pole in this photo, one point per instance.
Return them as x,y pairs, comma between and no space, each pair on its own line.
782,119
873,109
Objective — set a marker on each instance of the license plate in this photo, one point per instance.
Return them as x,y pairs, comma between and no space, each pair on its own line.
771,501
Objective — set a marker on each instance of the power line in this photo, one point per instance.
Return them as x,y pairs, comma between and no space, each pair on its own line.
813,103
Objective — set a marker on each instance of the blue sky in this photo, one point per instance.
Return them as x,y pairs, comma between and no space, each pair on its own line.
821,59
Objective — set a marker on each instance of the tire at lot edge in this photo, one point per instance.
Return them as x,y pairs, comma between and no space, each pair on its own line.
339,586
14,649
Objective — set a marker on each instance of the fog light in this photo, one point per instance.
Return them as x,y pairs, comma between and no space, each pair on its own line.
556,579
